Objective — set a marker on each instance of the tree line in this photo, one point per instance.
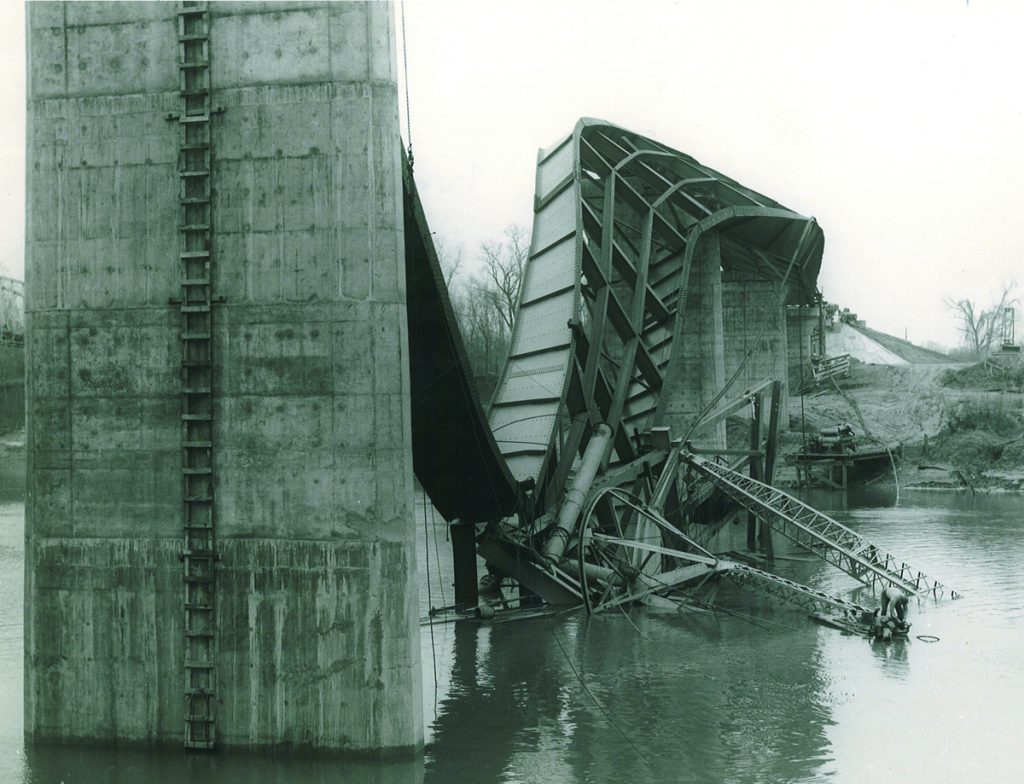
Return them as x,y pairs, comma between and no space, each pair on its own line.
485,299
982,329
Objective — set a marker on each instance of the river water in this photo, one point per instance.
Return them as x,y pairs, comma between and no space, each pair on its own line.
753,693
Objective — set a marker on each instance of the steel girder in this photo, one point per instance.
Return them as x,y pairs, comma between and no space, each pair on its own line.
617,220
835,543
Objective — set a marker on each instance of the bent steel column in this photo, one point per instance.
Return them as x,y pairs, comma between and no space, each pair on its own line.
589,466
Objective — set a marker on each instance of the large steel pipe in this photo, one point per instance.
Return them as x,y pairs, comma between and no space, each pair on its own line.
577,494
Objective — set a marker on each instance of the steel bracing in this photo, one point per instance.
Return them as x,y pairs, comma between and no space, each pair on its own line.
810,600
819,533
618,220
603,494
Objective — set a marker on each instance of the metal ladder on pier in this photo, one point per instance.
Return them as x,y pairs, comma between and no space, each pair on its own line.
199,553
819,533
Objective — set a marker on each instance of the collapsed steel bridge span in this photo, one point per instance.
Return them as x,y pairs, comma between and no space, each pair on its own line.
651,315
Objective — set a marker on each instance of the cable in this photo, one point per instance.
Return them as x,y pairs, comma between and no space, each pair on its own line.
625,615
437,554
430,600
405,69
803,417
871,437
895,475
597,702
701,417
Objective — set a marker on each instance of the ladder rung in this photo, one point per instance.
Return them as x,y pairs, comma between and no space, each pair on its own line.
199,553
192,10
194,227
195,308
195,335
193,64
196,200
197,417
193,37
194,254
195,390
198,665
195,146
194,173
195,282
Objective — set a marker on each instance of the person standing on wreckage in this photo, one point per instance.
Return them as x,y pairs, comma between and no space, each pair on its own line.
893,614
894,603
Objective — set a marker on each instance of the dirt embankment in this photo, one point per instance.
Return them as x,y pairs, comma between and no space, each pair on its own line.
960,426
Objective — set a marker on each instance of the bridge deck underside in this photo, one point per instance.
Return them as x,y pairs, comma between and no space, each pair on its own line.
454,454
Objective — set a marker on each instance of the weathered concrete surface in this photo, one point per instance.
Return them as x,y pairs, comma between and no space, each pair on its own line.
732,318
697,370
317,639
754,324
12,386
801,343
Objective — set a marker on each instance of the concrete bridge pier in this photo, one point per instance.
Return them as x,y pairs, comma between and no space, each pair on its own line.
219,528
697,371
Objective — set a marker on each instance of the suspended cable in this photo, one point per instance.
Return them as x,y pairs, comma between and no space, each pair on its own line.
405,71
437,553
430,599
803,416
871,437
597,702
702,416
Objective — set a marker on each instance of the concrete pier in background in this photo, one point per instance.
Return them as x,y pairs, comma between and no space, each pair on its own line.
754,326
697,371
317,642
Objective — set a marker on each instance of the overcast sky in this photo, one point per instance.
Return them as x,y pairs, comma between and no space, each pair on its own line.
899,126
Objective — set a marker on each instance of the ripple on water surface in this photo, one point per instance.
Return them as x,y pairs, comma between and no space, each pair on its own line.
752,693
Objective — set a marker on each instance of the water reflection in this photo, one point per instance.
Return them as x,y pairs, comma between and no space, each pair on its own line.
892,656
84,765
753,693
955,702
616,699
502,696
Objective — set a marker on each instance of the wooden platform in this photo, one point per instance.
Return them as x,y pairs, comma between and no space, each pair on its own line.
838,470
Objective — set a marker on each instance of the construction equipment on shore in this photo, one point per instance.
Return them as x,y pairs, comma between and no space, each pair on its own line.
836,459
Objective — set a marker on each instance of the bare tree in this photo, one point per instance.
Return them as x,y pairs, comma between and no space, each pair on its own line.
979,327
450,259
501,275
485,302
